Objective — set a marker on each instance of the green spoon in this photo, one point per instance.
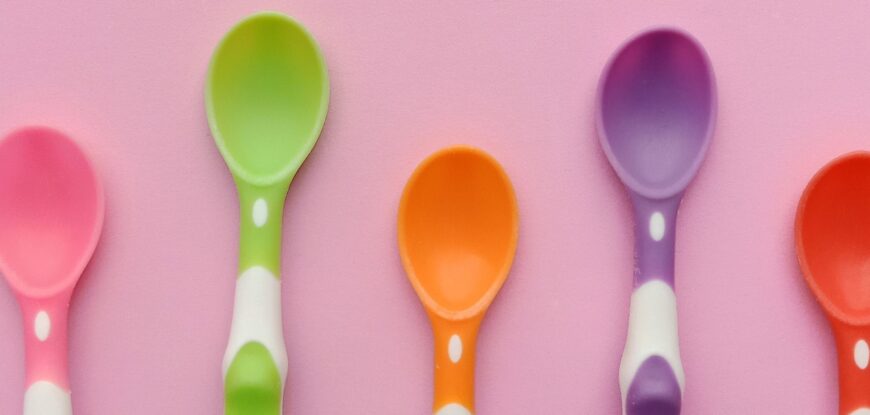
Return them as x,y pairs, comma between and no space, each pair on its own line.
266,96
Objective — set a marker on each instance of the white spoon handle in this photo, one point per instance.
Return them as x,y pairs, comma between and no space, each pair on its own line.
651,373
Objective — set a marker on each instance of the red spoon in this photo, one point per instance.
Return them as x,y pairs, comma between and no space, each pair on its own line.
832,234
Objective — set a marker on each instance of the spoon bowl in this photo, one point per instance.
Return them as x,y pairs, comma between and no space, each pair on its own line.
51,217
833,248
655,117
656,105
267,97
51,200
832,231
457,230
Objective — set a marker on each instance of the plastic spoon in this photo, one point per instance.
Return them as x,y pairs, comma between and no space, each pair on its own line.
51,216
457,231
266,96
656,110
833,248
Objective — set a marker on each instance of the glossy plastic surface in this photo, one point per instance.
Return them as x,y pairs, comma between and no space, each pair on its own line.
832,237
458,227
51,217
656,111
266,96
51,212
656,115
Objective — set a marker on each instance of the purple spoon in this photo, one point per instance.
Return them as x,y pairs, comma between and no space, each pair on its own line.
656,110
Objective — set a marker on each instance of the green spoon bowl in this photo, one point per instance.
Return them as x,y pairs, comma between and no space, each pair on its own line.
266,96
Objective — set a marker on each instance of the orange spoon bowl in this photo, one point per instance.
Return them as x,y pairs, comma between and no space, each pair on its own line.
457,229
832,237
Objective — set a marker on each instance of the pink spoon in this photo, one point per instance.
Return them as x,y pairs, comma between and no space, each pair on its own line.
51,215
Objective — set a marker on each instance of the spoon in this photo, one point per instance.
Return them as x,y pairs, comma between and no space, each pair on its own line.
51,216
655,114
833,249
457,231
266,97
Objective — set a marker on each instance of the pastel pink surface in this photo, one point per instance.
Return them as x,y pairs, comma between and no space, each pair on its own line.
150,319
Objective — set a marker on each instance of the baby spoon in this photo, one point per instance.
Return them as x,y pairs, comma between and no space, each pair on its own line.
266,97
51,215
833,248
457,231
655,115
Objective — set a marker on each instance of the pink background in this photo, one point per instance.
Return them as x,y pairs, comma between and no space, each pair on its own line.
151,316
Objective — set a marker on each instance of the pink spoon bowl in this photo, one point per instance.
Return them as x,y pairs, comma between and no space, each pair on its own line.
51,216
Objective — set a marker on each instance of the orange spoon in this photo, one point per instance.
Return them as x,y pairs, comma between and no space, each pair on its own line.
457,237
832,234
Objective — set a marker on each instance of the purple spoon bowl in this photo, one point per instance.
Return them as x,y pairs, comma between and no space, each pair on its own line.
656,109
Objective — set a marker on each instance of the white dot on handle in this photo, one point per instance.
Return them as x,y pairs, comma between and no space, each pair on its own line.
42,325
657,226
861,411
862,354
261,212
454,348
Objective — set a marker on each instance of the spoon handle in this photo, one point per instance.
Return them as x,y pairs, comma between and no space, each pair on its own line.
255,362
651,374
853,355
455,344
45,338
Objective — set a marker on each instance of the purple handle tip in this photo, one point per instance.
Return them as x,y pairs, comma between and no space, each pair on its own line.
654,390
